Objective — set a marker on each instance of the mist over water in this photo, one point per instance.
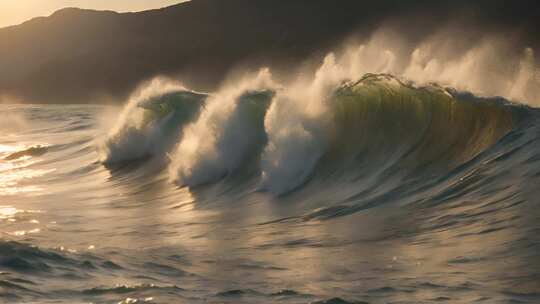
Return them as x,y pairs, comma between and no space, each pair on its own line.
390,174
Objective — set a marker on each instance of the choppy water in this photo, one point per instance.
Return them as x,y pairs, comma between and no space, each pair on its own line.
413,195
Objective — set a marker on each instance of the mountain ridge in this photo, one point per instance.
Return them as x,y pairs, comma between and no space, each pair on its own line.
87,56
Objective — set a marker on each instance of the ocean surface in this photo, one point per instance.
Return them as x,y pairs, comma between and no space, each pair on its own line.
374,190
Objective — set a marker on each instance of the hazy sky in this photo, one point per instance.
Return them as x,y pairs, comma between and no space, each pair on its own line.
17,11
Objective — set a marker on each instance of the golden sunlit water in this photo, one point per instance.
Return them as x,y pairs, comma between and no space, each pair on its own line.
16,174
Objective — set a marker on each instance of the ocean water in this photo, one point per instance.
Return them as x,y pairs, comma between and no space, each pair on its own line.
374,190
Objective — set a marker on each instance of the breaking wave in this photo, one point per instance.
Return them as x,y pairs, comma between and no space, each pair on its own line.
279,138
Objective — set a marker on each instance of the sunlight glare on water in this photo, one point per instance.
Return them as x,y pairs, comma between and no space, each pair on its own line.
17,170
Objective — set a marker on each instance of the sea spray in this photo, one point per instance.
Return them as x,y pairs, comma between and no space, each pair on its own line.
280,133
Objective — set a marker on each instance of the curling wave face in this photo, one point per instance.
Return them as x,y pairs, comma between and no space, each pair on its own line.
379,118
